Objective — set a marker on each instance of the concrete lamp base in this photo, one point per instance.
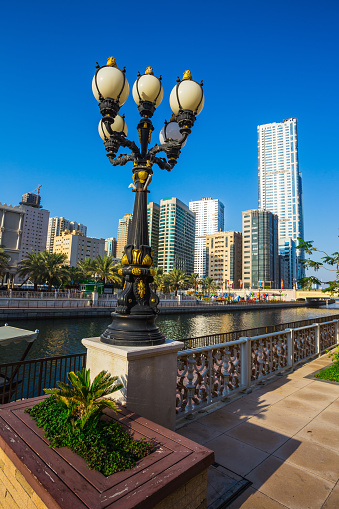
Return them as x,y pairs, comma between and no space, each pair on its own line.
148,375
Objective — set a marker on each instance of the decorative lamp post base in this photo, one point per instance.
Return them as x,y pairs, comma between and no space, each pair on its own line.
133,330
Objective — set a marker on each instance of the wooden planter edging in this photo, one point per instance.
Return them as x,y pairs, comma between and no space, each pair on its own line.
61,479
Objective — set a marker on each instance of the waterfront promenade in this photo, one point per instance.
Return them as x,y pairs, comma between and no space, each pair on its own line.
62,310
279,442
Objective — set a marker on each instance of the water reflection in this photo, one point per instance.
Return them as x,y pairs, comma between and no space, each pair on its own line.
63,336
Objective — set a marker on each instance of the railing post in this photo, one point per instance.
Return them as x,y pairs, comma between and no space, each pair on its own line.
337,331
317,338
246,362
210,376
290,347
190,385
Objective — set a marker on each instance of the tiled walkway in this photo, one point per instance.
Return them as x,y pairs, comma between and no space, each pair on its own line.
282,437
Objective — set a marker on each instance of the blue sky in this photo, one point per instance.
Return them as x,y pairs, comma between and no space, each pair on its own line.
260,62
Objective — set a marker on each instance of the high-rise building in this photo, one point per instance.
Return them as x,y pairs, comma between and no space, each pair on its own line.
287,253
11,225
224,259
260,258
57,225
123,230
280,184
77,246
209,218
153,220
176,236
35,225
111,247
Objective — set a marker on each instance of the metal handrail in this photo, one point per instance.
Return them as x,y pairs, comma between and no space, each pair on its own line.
27,379
225,337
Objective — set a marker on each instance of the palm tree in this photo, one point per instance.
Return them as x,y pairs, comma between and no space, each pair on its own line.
85,399
210,285
74,275
32,267
177,279
106,269
4,261
88,268
194,281
54,269
158,278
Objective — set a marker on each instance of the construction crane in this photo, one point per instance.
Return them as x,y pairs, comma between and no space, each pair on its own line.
37,193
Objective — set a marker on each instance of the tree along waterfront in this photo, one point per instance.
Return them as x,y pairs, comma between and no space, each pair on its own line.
63,336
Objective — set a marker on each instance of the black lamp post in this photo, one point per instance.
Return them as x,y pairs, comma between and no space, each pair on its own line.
134,318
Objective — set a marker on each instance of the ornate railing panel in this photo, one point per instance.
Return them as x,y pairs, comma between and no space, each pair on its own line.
268,355
208,375
305,343
327,333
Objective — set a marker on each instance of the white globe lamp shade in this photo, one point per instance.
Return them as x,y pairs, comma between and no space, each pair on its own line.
171,130
119,126
187,95
110,82
148,88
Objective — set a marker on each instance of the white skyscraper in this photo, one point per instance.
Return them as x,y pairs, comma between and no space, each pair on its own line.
280,187
209,218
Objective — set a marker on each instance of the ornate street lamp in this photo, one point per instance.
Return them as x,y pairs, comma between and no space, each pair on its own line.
134,318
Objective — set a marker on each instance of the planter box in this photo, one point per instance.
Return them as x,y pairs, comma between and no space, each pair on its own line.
33,475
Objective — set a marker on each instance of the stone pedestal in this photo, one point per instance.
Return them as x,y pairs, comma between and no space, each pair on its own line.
148,375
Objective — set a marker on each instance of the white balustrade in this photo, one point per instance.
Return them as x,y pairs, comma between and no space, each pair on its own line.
209,374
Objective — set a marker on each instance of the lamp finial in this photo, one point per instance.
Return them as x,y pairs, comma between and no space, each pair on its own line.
111,62
187,75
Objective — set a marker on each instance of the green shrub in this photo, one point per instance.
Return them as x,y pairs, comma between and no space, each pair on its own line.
71,417
331,373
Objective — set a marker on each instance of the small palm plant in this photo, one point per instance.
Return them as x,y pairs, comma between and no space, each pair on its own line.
85,400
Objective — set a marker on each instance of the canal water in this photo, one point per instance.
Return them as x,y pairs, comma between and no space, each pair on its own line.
63,336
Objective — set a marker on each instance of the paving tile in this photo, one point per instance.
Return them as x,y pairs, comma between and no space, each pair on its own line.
264,439
315,397
281,420
285,389
284,381
316,431
333,500
331,388
329,416
301,372
311,456
299,407
220,420
235,455
245,407
290,485
198,432
265,397
253,499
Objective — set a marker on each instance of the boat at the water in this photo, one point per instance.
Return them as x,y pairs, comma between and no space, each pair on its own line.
316,302
9,381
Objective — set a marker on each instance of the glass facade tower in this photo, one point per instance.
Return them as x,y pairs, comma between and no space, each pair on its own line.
260,258
280,185
176,236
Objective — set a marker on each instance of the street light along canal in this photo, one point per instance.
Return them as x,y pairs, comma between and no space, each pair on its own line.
63,336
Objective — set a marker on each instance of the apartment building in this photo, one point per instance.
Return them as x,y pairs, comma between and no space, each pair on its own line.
77,246
224,259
